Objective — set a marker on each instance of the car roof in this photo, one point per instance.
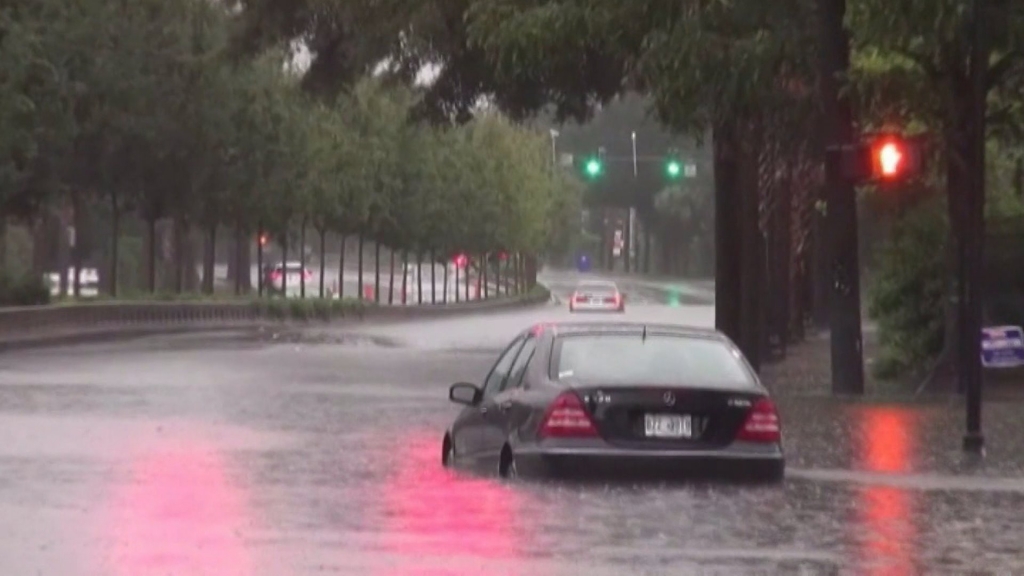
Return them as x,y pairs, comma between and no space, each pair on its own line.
637,328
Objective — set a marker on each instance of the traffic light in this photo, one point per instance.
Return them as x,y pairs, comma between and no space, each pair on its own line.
593,167
674,169
879,158
264,239
892,159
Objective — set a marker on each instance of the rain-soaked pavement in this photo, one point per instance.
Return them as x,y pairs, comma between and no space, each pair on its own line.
238,455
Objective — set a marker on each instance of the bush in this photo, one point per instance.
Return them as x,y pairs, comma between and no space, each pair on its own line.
23,290
907,295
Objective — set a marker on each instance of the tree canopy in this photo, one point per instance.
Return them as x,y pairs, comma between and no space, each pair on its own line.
146,106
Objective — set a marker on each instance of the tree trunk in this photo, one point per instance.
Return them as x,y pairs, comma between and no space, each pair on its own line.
359,258
391,276
209,259
444,281
376,271
481,279
151,256
260,276
752,260
497,277
78,216
419,277
728,247
284,264
115,243
323,261
302,256
179,256
466,280
405,276
341,269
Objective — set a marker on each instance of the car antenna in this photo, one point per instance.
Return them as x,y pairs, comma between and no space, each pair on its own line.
643,337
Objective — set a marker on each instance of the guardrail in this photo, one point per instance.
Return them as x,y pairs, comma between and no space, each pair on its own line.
59,321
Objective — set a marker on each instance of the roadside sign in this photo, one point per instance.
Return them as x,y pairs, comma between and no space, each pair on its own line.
1002,347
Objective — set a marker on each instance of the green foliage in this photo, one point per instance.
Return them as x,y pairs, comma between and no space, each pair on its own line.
141,106
23,290
907,297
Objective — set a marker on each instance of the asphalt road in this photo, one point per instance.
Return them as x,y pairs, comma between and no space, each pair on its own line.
318,453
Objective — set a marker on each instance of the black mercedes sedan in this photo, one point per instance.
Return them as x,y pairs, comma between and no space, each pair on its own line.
603,400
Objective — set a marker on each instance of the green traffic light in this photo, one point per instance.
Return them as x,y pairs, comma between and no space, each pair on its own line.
674,169
593,167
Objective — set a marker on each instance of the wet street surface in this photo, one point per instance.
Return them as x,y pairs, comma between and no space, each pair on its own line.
319,453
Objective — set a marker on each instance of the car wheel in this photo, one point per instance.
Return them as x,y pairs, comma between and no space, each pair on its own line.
447,452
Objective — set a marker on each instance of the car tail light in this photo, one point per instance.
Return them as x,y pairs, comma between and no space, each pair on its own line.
275,275
612,300
762,424
579,298
567,418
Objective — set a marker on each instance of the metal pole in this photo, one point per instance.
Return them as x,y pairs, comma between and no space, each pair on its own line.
631,232
841,209
634,156
974,233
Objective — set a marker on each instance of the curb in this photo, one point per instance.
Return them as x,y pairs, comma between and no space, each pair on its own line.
164,318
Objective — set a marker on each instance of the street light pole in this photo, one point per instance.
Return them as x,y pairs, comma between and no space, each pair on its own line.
974,231
631,233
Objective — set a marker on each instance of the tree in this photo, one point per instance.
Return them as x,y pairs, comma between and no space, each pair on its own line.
914,68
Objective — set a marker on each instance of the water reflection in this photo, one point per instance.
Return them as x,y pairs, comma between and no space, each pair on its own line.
178,513
887,532
442,522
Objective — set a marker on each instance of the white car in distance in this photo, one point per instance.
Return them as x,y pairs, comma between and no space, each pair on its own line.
597,296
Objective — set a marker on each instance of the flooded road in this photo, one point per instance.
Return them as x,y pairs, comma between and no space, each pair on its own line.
246,455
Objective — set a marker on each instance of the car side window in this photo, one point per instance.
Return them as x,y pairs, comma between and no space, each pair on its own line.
515,378
496,378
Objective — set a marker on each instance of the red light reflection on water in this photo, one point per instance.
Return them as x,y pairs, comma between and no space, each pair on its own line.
432,514
178,513
885,515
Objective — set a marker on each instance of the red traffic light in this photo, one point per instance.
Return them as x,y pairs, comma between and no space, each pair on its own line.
889,158
264,239
460,260
878,158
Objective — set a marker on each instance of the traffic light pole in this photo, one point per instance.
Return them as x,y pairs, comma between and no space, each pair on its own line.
841,209
974,233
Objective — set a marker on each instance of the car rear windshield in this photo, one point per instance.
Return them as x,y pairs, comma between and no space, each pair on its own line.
596,289
658,360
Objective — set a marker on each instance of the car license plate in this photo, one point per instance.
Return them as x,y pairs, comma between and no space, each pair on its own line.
594,301
667,426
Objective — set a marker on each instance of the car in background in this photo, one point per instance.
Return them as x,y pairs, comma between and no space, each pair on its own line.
278,277
597,296
607,400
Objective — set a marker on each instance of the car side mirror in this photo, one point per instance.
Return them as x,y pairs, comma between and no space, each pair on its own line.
464,393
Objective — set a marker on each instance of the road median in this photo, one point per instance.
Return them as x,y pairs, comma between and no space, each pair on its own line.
58,324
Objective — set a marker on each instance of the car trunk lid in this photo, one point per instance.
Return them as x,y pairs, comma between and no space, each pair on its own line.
668,417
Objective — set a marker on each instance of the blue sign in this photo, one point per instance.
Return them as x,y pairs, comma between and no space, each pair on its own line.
583,263
1002,347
